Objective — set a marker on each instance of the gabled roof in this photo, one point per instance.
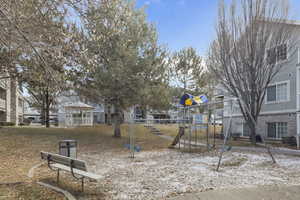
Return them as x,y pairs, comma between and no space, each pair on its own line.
78,105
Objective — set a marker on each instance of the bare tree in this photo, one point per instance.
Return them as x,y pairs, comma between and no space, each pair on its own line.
253,38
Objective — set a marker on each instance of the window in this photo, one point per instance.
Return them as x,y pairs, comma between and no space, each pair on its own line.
281,92
277,54
271,93
271,130
281,129
277,130
278,92
281,52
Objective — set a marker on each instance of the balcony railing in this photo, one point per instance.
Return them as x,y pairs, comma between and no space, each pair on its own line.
2,103
219,93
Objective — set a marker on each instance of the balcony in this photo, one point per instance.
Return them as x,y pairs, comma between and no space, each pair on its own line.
2,104
219,93
20,110
2,84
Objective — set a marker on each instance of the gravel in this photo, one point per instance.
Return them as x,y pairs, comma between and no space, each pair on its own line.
162,174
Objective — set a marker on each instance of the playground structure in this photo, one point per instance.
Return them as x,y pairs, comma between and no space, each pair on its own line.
191,129
195,119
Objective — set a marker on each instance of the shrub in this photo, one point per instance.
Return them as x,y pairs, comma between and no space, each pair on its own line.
7,123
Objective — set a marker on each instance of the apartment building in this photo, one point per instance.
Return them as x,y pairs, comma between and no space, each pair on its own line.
11,101
280,113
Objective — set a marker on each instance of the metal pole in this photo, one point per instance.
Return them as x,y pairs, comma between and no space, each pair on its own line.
196,132
225,139
190,132
184,129
131,137
297,138
214,126
207,128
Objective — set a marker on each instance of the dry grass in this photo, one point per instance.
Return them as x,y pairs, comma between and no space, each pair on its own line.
20,148
201,136
28,191
172,130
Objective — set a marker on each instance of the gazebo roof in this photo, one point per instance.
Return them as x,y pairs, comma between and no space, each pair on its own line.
79,105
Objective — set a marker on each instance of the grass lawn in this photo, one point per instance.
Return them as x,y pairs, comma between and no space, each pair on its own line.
20,148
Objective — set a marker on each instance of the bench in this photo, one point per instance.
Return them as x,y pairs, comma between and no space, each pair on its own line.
76,167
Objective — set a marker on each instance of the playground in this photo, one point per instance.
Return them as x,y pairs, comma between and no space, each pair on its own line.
156,172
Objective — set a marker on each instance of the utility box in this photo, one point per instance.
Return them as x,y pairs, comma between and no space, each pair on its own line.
68,148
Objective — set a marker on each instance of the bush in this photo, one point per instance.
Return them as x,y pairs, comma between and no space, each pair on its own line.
289,140
26,122
7,124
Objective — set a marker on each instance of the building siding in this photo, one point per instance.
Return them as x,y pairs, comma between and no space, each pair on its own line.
12,111
290,118
274,112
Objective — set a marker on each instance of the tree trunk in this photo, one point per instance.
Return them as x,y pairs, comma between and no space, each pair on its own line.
117,125
108,119
47,109
43,119
252,129
117,121
43,114
144,112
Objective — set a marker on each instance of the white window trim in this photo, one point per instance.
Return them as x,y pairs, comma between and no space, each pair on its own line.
281,101
276,138
298,55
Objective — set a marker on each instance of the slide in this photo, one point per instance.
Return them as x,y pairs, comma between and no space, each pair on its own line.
178,136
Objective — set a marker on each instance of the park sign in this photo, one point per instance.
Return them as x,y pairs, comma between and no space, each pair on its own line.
190,100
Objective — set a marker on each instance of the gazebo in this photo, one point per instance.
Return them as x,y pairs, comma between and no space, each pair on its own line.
78,114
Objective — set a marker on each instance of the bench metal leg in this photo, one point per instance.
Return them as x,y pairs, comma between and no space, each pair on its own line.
57,178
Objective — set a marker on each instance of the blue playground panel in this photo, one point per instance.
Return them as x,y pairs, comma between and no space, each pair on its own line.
136,148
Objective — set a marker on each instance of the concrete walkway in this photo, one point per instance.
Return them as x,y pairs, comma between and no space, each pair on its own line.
258,193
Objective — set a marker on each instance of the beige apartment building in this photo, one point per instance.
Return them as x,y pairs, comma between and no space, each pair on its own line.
11,101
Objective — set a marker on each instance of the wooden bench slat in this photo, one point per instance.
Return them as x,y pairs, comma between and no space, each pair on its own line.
79,172
58,162
77,164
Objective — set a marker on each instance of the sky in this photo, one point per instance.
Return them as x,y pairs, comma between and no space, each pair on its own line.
185,23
